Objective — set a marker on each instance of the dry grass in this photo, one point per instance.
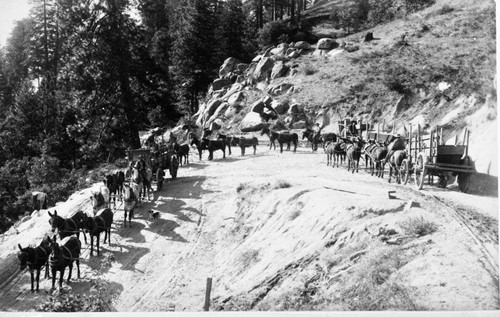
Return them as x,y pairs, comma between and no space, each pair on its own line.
418,226
248,258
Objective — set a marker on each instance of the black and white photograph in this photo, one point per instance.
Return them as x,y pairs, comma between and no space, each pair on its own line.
249,156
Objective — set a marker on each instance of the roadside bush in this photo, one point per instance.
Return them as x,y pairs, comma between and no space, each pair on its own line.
418,226
46,175
280,183
248,258
274,33
96,301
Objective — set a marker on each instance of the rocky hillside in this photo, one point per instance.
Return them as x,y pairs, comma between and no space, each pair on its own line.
434,67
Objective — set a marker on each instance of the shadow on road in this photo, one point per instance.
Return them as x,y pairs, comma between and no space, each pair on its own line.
166,228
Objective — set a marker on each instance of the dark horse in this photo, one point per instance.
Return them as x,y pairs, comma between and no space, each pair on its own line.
395,164
335,152
114,182
244,143
130,197
282,138
69,226
377,155
353,153
96,225
273,135
143,180
212,146
35,259
313,137
182,151
199,145
64,256
230,141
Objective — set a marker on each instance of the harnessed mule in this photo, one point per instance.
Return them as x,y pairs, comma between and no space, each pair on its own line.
214,145
273,135
100,199
313,137
199,145
395,163
67,227
143,180
64,256
353,153
244,143
114,182
182,151
35,259
130,198
230,141
282,138
96,225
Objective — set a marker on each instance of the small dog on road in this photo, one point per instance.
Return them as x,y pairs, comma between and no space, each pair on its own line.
153,216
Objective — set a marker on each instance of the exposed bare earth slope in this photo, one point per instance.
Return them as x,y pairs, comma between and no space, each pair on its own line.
282,231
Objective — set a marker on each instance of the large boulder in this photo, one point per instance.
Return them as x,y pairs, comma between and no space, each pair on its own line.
236,99
258,106
279,89
327,44
242,67
296,108
221,83
251,122
211,107
302,45
231,111
263,69
234,88
268,102
216,125
278,51
299,125
228,66
280,69
280,107
269,115
220,110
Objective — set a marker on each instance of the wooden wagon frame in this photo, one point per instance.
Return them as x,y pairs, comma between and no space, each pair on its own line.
155,160
428,156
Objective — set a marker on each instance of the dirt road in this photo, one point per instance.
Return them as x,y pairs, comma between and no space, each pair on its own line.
218,211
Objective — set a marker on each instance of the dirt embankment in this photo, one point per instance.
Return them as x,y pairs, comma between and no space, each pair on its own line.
284,232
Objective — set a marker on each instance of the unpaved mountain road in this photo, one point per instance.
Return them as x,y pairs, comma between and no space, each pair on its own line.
163,265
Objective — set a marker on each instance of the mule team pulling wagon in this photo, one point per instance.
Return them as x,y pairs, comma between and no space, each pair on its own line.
164,160
427,155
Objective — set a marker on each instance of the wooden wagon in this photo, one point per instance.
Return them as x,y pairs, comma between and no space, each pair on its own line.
428,156
165,159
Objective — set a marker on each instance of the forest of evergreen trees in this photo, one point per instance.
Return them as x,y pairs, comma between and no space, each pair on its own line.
80,78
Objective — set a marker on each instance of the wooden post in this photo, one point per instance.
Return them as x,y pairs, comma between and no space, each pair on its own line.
207,294
441,137
465,136
378,129
431,148
467,144
361,128
409,138
418,138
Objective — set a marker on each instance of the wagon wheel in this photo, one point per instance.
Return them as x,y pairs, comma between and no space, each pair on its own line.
420,170
404,171
463,182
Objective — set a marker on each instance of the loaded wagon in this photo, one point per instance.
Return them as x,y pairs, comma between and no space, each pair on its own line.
165,159
429,156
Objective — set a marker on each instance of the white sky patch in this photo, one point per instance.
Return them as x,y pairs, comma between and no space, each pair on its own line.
11,11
